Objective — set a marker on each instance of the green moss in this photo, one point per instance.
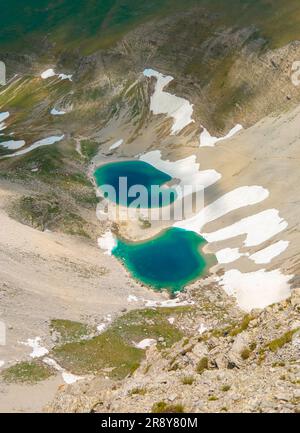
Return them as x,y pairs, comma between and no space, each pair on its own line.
163,407
47,212
138,391
202,365
114,349
245,354
213,398
225,388
26,372
148,323
69,331
278,343
242,326
188,380
89,148
106,351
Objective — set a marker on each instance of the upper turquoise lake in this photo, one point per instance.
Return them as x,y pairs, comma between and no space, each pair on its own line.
136,174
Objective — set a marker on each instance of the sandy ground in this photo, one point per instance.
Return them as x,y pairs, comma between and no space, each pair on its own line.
47,275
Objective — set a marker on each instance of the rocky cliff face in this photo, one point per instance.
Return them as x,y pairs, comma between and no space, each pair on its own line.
250,365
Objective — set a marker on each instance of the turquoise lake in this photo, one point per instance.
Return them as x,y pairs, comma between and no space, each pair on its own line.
136,173
169,261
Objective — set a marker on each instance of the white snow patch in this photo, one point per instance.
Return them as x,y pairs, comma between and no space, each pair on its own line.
51,73
168,303
52,363
202,328
256,289
187,170
147,342
38,351
55,112
47,74
116,144
44,142
70,378
206,140
228,255
132,298
269,253
101,327
258,228
165,103
3,116
65,77
233,200
107,242
13,144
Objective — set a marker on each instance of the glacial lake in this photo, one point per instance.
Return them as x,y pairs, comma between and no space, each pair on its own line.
138,174
169,261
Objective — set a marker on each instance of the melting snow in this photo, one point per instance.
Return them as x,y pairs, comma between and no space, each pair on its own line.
256,289
13,144
132,298
116,144
107,242
147,342
206,140
228,255
52,363
268,254
70,378
187,170
38,351
258,228
101,327
168,303
44,142
202,328
3,116
233,200
165,103
50,73
55,112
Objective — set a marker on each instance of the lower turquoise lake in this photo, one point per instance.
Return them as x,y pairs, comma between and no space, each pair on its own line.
136,173
169,261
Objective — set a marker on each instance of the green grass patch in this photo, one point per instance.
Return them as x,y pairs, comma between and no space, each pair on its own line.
163,407
47,212
138,391
242,326
225,388
245,354
188,380
106,351
202,365
27,372
278,343
69,331
89,148
114,348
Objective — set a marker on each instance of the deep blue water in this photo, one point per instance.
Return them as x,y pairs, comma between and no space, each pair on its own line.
170,261
134,175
